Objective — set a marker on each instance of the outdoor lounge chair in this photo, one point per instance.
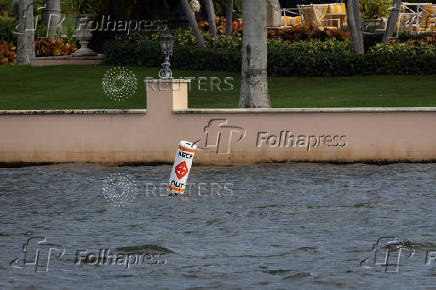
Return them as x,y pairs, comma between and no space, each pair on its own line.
332,16
428,19
416,17
291,17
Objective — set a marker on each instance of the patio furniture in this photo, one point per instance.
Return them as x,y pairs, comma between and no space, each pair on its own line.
416,17
332,16
291,17
273,13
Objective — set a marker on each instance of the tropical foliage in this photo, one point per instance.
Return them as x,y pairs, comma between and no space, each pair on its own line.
7,53
374,9
54,47
7,28
79,7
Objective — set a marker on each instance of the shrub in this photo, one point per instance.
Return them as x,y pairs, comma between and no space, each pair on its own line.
296,33
301,58
374,9
7,53
41,32
184,37
311,47
323,39
127,52
426,37
54,47
7,28
403,48
221,26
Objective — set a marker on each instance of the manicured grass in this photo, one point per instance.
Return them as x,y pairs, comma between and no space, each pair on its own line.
80,87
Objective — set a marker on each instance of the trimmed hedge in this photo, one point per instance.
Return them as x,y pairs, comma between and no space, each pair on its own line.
328,64
281,60
149,54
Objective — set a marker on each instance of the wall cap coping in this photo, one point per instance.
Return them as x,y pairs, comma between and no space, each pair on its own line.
307,110
72,112
222,111
68,57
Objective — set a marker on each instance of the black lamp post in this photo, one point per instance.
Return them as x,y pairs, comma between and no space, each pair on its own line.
166,41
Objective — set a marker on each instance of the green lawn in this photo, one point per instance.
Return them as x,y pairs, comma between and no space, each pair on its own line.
80,87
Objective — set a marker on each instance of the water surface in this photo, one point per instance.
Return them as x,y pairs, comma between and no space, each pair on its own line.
279,226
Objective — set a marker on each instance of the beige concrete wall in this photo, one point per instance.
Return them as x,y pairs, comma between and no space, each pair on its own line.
236,136
67,60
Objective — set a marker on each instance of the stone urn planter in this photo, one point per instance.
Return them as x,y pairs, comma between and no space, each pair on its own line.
83,35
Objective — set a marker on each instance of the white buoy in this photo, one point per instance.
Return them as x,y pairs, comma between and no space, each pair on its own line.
182,166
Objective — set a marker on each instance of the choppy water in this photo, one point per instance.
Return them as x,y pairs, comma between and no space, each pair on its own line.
279,226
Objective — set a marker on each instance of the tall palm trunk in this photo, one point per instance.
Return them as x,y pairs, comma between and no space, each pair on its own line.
229,17
192,22
25,41
254,82
354,23
51,17
210,10
392,20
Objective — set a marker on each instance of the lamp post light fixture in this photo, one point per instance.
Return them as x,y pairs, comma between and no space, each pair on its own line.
166,41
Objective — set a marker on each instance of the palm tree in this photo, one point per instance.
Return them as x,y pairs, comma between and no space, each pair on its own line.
392,20
51,16
25,41
192,22
210,11
354,23
229,17
254,82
